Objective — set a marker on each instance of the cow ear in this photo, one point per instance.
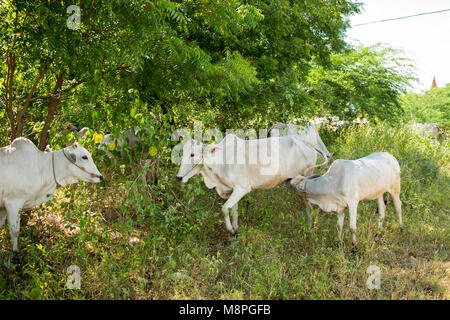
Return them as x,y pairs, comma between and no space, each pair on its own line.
73,156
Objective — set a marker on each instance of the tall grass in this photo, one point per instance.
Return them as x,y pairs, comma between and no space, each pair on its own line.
130,238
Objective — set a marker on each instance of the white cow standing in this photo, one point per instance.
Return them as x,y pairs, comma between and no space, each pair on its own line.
29,177
349,181
426,129
308,133
128,138
236,166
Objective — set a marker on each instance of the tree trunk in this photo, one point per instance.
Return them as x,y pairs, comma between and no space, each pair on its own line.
51,111
19,118
11,62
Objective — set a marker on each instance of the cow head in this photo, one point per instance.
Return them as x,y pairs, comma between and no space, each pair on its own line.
297,180
191,160
82,166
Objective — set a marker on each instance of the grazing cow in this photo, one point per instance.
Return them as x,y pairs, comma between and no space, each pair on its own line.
29,177
308,133
236,166
128,138
349,181
426,129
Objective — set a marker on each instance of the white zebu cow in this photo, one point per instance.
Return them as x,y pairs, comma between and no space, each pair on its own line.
308,133
126,139
236,166
426,129
29,177
349,181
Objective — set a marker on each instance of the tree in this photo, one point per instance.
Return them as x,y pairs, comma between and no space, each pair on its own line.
46,60
243,58
365,81
432,106
239,58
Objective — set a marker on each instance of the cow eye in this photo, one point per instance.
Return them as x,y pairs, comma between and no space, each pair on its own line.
84,157
192,155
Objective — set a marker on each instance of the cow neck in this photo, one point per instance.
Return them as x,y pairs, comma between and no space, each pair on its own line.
53,169
59,158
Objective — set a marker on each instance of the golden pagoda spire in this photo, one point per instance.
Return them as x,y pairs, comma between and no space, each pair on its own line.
433,84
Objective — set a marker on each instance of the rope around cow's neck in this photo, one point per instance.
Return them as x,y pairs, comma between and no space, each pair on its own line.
195,165
54,174
198,163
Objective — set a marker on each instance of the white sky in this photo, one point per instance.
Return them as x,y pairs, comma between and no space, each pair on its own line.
424,39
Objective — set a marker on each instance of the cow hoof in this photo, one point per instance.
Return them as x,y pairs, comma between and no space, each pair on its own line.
7,263
353,249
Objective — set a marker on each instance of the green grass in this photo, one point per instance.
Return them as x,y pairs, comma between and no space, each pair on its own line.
129,238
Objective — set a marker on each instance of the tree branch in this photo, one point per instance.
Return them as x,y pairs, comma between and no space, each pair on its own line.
51,111
19,121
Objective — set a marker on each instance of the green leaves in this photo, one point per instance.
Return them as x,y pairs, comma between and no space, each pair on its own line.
364,81
432,106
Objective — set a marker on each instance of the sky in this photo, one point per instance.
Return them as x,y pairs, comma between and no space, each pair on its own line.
424,39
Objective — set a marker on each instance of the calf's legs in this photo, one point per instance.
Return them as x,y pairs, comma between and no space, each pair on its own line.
398,207
340,222
395,193
309,212
381,210
352,209
234,220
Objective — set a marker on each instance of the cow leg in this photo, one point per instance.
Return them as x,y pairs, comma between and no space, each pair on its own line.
398,207
234,222
309,212
12,210
2,217
340,223
352,209
381,210
229,204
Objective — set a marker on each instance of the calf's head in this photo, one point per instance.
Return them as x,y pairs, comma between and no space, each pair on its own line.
297,180
191,160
